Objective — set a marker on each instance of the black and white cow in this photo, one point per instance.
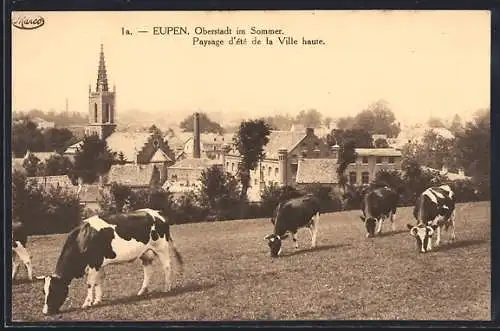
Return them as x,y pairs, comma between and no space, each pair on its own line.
377,205
434,210
99,241
289,217
19,250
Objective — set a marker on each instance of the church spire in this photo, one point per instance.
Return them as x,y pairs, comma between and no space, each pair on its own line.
102,77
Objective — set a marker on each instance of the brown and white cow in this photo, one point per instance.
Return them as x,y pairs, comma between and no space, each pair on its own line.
289,217
19,250
434,210
100,241
377,205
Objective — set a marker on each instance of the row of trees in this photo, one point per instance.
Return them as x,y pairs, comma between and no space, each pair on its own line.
27,136
60,119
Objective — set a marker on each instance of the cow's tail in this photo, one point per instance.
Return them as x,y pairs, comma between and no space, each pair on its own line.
177,254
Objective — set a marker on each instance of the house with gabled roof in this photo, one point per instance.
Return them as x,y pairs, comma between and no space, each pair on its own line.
282,155
136,176
368,162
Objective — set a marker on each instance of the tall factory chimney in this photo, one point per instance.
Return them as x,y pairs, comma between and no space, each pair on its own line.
196,136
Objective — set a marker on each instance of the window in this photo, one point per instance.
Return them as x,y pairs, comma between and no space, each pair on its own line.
391,159
95,112
378,159
352,177
227,165
276,171
365,177
232,167
294,169
365,159
255,181
108,114
269,172
174,177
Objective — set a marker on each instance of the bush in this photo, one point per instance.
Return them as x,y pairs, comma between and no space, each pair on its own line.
274,194
329,202
43,212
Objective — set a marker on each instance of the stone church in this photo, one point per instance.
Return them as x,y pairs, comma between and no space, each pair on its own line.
144,154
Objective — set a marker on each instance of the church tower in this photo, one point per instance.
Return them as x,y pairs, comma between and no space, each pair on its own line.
101,104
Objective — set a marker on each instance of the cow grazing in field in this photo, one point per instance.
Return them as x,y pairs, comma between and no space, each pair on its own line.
289,217
377,205
434,210
99,241
19,250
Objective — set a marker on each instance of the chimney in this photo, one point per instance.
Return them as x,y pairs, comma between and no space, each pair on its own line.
461,172
335,151
283,165
196,136
309,131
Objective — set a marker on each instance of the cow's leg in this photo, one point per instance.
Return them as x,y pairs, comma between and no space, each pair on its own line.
314,229
15,265
391,217
380,222
92,280
147,265
164,257
295,240
438,235
25,257
452,224
98,286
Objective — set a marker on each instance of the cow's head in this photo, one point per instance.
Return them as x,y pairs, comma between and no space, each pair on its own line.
274,243
423,234
370,224
55,292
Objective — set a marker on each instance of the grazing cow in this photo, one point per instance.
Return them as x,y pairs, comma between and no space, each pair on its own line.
99,241
434,209
289,217
19,251
377,205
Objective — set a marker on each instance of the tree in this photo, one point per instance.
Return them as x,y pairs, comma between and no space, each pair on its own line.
381,143
57,139
92,159
347,155
26,136
58,165
378,118
33,166
154,129
361,138
310,118
346,123
327,121
434,151
456,127
435,122
219,191
473,148
250,140
279,122
206,125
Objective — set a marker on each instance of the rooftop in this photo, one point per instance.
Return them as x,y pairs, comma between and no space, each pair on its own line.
378,152
317,171
137,175
194,163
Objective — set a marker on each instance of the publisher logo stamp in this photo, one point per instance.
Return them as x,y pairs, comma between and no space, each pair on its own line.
28,22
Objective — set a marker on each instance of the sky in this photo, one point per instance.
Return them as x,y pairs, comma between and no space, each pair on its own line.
423,63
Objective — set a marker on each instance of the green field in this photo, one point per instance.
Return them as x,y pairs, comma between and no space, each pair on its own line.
229,275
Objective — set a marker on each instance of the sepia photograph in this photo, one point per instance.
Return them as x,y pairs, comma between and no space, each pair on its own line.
326,165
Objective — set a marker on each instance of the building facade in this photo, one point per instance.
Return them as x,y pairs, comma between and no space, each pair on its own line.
280,165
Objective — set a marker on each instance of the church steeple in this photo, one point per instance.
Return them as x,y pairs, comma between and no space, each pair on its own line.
102,76
101,104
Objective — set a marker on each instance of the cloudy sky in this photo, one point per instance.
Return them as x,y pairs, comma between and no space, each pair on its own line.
433,63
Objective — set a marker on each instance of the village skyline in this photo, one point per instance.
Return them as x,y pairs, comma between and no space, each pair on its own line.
443,58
